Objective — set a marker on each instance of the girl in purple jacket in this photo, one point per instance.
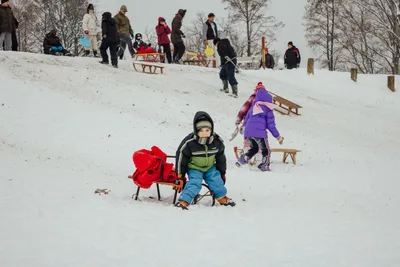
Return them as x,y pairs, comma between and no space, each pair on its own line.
259,119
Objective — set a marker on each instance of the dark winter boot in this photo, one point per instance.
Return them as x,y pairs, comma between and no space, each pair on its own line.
235,91
95,53
104,62
87,53
225,86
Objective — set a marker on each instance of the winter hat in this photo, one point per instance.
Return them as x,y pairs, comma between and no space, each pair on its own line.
260,86
161,19
106,15
203,124
290,43
216,40
211,15
3,1
90,7
123,8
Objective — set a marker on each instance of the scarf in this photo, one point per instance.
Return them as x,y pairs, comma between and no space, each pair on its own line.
257,109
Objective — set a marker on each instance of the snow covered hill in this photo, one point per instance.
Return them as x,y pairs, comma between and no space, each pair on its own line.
70,125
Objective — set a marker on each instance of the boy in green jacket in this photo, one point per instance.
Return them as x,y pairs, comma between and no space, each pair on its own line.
201,155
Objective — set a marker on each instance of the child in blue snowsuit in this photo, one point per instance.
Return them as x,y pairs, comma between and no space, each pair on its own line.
201,155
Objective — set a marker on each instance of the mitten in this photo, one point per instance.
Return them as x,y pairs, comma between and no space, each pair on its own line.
86,32
280,140
179,184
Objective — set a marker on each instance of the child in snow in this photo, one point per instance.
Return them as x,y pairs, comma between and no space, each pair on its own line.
140,46
52,44
110,39
259,118
201,155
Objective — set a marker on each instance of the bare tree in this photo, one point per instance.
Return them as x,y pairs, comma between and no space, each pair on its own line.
251,15
322,22
194,34
231,30
150,36
25,32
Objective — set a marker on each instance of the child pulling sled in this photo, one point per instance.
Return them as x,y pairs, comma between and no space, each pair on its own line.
258,120
201,155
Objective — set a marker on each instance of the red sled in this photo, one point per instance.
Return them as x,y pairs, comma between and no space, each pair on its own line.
145,50
151,166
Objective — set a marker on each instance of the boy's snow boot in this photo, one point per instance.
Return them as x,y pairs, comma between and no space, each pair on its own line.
87,53
95,53
226,86
226,201
242,161
235,91
182,204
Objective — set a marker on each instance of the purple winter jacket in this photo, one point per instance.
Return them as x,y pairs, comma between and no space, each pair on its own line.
256,125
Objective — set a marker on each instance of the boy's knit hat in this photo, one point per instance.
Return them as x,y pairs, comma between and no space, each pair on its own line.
203,124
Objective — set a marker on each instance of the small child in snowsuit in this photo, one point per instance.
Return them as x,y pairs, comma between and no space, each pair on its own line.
201,155
259,118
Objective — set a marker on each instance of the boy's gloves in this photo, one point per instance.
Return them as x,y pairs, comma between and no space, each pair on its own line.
280,140
179,184
86,32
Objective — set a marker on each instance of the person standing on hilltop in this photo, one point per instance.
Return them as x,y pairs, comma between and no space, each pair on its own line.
228,65
7,25
177,35
210,32
89,25
125,31
292,57
163,30
110,39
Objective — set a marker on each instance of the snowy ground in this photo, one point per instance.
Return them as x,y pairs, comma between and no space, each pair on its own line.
70,125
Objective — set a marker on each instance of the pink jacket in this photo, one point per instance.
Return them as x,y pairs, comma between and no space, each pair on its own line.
162,32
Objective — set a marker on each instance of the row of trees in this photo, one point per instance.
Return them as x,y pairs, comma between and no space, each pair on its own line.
37,18
355,33
246,23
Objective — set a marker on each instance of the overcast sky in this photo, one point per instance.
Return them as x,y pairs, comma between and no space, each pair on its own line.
145,13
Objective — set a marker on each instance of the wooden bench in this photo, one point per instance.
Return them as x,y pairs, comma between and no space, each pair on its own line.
196,200
148,68
286,152
285,104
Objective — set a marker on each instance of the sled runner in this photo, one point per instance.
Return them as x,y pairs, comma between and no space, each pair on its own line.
148,67
286,153
152,168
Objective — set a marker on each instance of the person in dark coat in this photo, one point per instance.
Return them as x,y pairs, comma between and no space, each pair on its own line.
163,30
228,65
177,35
110,39
292,57
269,60
7,25
52,45
14,38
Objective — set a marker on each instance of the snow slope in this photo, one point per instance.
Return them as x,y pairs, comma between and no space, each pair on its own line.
70,125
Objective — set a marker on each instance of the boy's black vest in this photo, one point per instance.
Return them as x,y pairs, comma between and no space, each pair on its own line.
210,32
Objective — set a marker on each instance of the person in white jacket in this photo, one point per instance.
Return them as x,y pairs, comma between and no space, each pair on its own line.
90,29
210,32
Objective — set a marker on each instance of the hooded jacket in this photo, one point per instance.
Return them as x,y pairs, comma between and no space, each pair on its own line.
89,22
109,28
191,154
162,32
176,36
51,40
224,49
256,125
292,57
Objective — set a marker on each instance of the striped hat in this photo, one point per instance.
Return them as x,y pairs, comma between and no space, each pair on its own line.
203,124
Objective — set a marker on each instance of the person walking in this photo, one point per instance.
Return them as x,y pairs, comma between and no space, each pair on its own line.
177,35
110,39
7,25
90,29
125,31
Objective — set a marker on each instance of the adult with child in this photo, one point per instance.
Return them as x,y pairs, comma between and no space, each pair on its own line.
177,35
110,39
125,32
89,25
163,31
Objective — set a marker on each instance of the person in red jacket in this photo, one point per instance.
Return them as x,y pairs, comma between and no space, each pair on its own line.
163,30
